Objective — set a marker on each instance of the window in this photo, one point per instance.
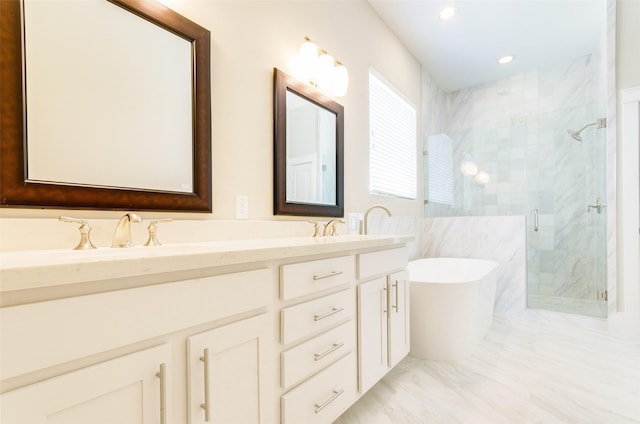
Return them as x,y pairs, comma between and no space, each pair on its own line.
392,142
440,169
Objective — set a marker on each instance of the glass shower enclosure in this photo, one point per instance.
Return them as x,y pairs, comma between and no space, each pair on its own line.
567,213
514,150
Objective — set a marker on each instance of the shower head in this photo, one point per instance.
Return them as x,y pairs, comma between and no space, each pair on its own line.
575,135
600,123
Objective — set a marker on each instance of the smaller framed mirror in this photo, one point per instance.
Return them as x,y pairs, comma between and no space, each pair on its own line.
308,150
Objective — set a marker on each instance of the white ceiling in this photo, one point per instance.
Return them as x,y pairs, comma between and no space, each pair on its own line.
463,51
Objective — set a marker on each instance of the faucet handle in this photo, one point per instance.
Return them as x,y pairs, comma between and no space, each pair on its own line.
153,228
85,230
316,228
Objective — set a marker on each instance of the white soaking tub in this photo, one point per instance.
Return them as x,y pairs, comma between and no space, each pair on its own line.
451,306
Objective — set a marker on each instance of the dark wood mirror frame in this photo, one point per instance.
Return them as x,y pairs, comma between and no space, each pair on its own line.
282,84
17,191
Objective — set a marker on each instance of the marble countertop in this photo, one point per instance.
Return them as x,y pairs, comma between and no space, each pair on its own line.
34,269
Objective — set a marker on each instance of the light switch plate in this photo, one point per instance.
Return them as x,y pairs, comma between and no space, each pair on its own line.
355,222
242,207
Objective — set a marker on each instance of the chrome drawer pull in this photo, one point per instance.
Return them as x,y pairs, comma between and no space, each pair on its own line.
205,405
321,277
328,314
326,403
318,356
162,375
396,305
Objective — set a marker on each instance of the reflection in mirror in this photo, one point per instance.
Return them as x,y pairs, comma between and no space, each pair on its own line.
308,150
110,109
311,152
128,107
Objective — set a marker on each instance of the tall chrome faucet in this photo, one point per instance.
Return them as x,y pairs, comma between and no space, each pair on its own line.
366,215
122,236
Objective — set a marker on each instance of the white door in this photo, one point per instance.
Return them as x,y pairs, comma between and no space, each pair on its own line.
131,389
302,179
227,366
399,342
372,332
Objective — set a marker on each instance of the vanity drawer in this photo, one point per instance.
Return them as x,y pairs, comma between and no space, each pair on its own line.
313,355
310,277
316,315
321,399
381,262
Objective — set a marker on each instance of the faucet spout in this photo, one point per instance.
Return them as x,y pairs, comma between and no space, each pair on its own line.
330,227
122,235
366,216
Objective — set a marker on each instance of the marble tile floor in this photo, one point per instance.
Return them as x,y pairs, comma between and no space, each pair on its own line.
524,371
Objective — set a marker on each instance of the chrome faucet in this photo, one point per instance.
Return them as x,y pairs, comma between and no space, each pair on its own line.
122,236
366,216
330,227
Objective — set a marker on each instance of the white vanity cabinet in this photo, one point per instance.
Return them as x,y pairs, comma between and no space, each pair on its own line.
383,315
399,336
373,332
131,389
99,358
318,335
226,367
241,332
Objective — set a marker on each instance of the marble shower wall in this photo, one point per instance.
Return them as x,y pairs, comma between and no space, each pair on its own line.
498,238
511,129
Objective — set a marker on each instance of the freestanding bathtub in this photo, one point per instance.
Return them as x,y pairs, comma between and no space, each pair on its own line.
451,306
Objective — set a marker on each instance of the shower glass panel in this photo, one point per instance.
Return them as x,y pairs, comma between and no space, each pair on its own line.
566,189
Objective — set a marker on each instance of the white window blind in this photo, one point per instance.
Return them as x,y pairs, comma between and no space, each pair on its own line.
440,169
392,142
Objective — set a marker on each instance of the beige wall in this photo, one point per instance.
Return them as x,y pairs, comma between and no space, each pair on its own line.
627,44
249,39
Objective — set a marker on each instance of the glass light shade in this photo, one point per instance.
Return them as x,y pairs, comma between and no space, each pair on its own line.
447,13
307,61
482,177
506,59
469,168
340,80
324,72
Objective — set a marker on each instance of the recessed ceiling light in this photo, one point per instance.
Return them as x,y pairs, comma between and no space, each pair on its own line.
506,59
447,13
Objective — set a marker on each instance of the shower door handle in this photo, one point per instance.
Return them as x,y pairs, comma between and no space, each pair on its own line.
535,219
597,206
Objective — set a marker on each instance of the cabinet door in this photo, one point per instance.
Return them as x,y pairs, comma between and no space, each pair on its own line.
372,332
399,333
227,369
131,389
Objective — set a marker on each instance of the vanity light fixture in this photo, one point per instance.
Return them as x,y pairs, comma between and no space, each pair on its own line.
469,168
447,13
506,59
319,69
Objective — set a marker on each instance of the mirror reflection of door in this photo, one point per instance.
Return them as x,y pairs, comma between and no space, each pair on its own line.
311,152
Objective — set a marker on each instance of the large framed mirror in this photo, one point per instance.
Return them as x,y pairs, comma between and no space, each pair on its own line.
308,150
106,104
